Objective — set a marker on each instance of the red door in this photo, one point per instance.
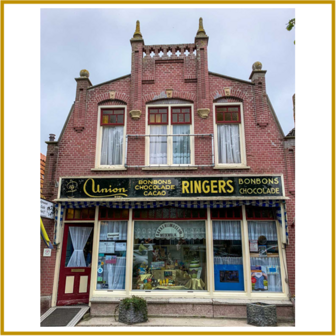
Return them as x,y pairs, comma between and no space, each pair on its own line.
75,268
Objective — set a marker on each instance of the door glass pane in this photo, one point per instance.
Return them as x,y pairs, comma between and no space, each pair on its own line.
112,255
79,247
228,255
169,256
264,253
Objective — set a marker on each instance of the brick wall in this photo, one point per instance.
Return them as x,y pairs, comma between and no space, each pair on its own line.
190,80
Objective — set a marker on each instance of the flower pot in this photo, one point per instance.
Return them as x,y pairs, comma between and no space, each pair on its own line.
131,315
261,314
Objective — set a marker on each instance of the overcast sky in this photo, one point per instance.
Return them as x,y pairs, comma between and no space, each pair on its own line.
98,40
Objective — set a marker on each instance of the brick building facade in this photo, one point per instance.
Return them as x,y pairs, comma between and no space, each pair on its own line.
228,133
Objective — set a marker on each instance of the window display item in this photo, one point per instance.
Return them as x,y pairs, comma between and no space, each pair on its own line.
259,278
272,270
262,240
262,250
120,247
229,277
254,245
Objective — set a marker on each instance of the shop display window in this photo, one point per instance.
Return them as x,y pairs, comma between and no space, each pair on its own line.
80,214
228,255
264,254
169,256
112,250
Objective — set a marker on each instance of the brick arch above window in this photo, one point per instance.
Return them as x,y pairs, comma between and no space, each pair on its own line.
112,102
169,101
191,97
118,96
233,94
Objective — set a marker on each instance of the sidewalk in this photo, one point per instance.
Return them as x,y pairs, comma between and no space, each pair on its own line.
172,322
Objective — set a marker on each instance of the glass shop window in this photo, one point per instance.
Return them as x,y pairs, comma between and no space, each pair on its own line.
169,255
227,249
111,269
264,254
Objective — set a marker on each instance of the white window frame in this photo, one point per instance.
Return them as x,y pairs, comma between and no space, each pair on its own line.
170,138
99,140
243,164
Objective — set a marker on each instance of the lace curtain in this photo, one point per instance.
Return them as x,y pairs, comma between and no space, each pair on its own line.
274,280
191,230
262,228
114,274
228,260
158,145
112,145
79,237
113,227
181,145
226,230
228,144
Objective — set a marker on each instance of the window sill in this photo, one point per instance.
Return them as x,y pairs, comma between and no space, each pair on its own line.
230,166
170,168
108,169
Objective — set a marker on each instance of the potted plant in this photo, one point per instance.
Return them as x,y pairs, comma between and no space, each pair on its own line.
261,314
132,310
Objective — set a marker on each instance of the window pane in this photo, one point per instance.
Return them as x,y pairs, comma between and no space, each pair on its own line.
153,111
235,116
227,116
158,118
112,255
228,144
120,119
187,118
164,118
91,213
219,116
152,118
233,109
70,213
113,119
79,247
221,109
118,112
163,258
158,145
107,111
175,118
112,145
264,252
181,145
105,119
228,255
77,214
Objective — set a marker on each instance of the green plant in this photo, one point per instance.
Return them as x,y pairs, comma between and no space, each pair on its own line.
139,305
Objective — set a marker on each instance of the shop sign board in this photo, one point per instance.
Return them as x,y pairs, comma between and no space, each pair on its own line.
165,187
47,209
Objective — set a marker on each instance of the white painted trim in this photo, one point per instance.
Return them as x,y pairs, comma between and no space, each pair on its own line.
99,135
243,164
170,139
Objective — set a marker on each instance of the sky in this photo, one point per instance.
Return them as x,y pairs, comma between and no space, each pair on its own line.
98,40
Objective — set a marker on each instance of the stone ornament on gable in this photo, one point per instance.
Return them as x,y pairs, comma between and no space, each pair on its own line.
135,114
203,112
227,91
169,93
112,94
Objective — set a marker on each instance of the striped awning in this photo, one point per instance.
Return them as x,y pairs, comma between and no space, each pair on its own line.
179,204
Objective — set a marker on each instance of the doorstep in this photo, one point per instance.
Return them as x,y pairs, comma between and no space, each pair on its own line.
193,307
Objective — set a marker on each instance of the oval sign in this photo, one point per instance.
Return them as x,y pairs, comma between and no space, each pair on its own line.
169,231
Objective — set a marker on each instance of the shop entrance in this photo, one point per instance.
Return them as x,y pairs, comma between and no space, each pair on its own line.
75,269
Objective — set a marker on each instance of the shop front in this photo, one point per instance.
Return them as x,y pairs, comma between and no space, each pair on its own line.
201,237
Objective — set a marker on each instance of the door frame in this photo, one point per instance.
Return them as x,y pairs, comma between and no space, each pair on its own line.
84,298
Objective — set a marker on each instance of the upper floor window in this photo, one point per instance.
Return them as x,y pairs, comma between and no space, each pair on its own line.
112,127
170,128
229,131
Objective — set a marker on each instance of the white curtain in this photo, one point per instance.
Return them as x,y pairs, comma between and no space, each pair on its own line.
79,237
181,145
114,274
191,230
262,228
113,227
228,144
226,230
274,280
158,145
112,145
228,260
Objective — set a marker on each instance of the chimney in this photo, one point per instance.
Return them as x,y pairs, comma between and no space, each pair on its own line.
51,137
